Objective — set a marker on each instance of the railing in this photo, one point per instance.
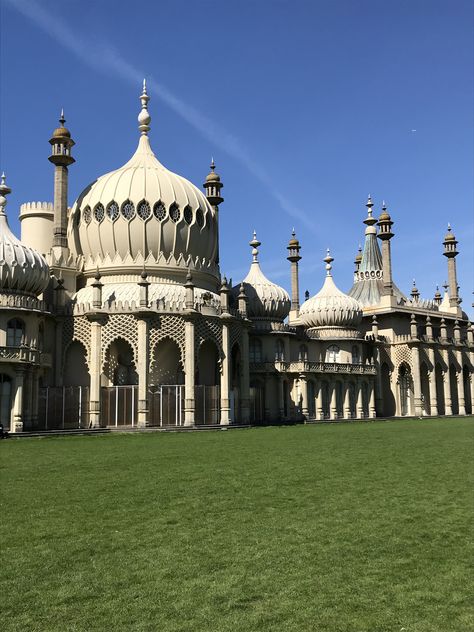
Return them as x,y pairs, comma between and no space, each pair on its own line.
19,301
63,407
25,354
313,367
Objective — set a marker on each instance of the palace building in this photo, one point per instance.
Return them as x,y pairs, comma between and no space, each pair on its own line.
113,312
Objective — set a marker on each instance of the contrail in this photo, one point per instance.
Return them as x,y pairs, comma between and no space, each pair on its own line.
112,61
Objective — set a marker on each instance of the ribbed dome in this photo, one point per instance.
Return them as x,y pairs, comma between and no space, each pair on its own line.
330,307
143,211
266,300
22,269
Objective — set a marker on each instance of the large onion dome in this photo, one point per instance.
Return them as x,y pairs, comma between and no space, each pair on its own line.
22,269
330,308
144,213
266,300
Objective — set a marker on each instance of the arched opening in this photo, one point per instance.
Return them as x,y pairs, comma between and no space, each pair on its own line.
286,398
303,353
235,382
425,389
76,371
405,386
339,400
453,385
279,351
466,376
352,399
311,399
166,365
387,394
208,373
365,398
5,400
41,337
119,364
325,399
332,353
355,355
439,378
255,350
15,332
257,401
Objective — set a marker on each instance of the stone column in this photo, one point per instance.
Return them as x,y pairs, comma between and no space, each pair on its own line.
372,410
446,384
281,398
319,401
416,380
432,378
189,372
28,397
360,403
95,369
17,425
378,381
461,393
225,375
333,401
143,365
347,399
245,379
35,400
304,397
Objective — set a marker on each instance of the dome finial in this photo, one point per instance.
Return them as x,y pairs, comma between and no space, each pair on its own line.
255,244
4,190
328,259
144,117
62,119
213,164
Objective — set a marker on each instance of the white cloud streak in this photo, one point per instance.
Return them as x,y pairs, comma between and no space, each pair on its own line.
107,59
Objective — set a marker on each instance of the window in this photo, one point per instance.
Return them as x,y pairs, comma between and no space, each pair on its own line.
112,210
279,351
128,209
188,214
303,353
143,210
159,211
15,332
200,218
255,350
175,213
87,215
332,353
99,213
355,355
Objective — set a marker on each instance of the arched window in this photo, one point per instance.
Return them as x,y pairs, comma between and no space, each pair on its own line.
303,353
5,400
332,353
279,351
41,337
355,355
15,332
255,350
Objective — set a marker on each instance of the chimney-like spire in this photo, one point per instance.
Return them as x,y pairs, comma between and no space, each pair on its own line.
144,118
385,235
61,145
450,252
294,257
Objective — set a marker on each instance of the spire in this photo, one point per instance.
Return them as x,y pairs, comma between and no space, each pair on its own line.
415,294
62,120
144,117
255,244
369,220
213,186
4,191
328,259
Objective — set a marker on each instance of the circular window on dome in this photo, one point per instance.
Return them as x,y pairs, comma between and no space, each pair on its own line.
143,210
112,210
159,211
188,214
200,218
175,213
128,209
87,215
99,212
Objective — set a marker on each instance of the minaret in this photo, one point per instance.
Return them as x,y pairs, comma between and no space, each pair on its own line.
294,257
415,294
437,296
450,251
385,235
357,260
61,144
212,187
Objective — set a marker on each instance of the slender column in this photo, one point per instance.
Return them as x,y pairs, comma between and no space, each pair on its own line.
319,401
347,400
189,373
143,369
35,400
17,425
245,379
446,384
416,380
281,398
304,395
461,393
225,376
372,411
432,379
95,368
333,401
378,381
28,394
360,405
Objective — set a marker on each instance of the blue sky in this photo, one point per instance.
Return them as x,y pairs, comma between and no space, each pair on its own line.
306,106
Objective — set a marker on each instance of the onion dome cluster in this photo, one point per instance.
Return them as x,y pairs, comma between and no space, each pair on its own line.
22,269
265,300
143,211
330,308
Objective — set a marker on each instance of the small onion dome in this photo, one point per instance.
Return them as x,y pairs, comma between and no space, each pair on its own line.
213,176
384,215
330,307
437,295
414,290
22,269
265,300
358,257
61,132
293,241
449,235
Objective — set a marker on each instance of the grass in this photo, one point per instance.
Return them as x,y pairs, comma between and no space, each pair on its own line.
332,528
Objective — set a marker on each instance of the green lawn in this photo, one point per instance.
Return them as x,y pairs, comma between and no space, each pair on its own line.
339,528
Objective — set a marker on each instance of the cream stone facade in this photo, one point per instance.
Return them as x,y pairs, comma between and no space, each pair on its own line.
114,313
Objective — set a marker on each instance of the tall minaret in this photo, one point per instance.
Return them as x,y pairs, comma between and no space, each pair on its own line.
213,186
294,257
385,235
61,144
450,251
